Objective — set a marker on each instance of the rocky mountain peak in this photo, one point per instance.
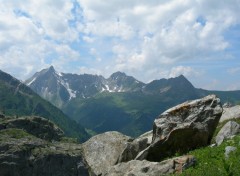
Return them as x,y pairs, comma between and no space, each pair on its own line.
51,68
117,75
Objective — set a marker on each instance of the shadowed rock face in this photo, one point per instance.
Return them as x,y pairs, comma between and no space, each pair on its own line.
184,127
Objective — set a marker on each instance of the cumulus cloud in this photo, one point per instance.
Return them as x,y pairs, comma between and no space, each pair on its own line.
167,32
157,38
181,70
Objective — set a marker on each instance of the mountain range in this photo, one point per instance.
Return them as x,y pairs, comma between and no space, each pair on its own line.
19,100
120,102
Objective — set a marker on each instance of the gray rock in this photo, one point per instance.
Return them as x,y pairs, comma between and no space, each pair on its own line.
133,148
24,154
230,129
102,151
143,168
148,135
228,150
230,113
227,105
37,126
184,127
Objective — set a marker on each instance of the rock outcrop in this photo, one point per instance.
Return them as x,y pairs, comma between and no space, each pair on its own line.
102,151
143,168
230,129
24,154
184,127
33,145
230,113
37,126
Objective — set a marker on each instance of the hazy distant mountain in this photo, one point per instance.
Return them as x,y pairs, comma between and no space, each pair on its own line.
60,88
119,102
18,99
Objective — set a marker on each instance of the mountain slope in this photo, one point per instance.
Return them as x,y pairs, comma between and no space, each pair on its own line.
119,102
60,88
18,99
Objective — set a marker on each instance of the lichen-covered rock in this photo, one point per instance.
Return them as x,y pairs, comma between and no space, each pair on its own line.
184,127
143,168
102,151
24,154
230,129
230,113
37,126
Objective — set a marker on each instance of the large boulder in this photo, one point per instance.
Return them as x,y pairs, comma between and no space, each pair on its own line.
230,129
184,127
230,113
37,126
143,168
102,151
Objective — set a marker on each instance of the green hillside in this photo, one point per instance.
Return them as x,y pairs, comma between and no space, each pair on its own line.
130,113
18,99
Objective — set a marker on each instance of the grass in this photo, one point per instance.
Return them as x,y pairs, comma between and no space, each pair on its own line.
69,140
211,161
14,133
220,125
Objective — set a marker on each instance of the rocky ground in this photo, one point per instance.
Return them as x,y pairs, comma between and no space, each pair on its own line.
33,146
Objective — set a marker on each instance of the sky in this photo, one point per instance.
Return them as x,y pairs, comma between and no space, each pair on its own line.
147,39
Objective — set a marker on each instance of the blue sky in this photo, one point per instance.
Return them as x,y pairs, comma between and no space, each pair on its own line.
145,39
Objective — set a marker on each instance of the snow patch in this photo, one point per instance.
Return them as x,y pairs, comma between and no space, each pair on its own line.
31,81
83,96
71,92
108,89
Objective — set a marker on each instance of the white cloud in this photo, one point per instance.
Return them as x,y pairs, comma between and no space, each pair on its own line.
157,38
88,39
181,70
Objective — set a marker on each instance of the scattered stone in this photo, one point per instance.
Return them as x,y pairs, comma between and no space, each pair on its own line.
184,127
230,129
143,168
213,145
230,113
102,151
228,150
